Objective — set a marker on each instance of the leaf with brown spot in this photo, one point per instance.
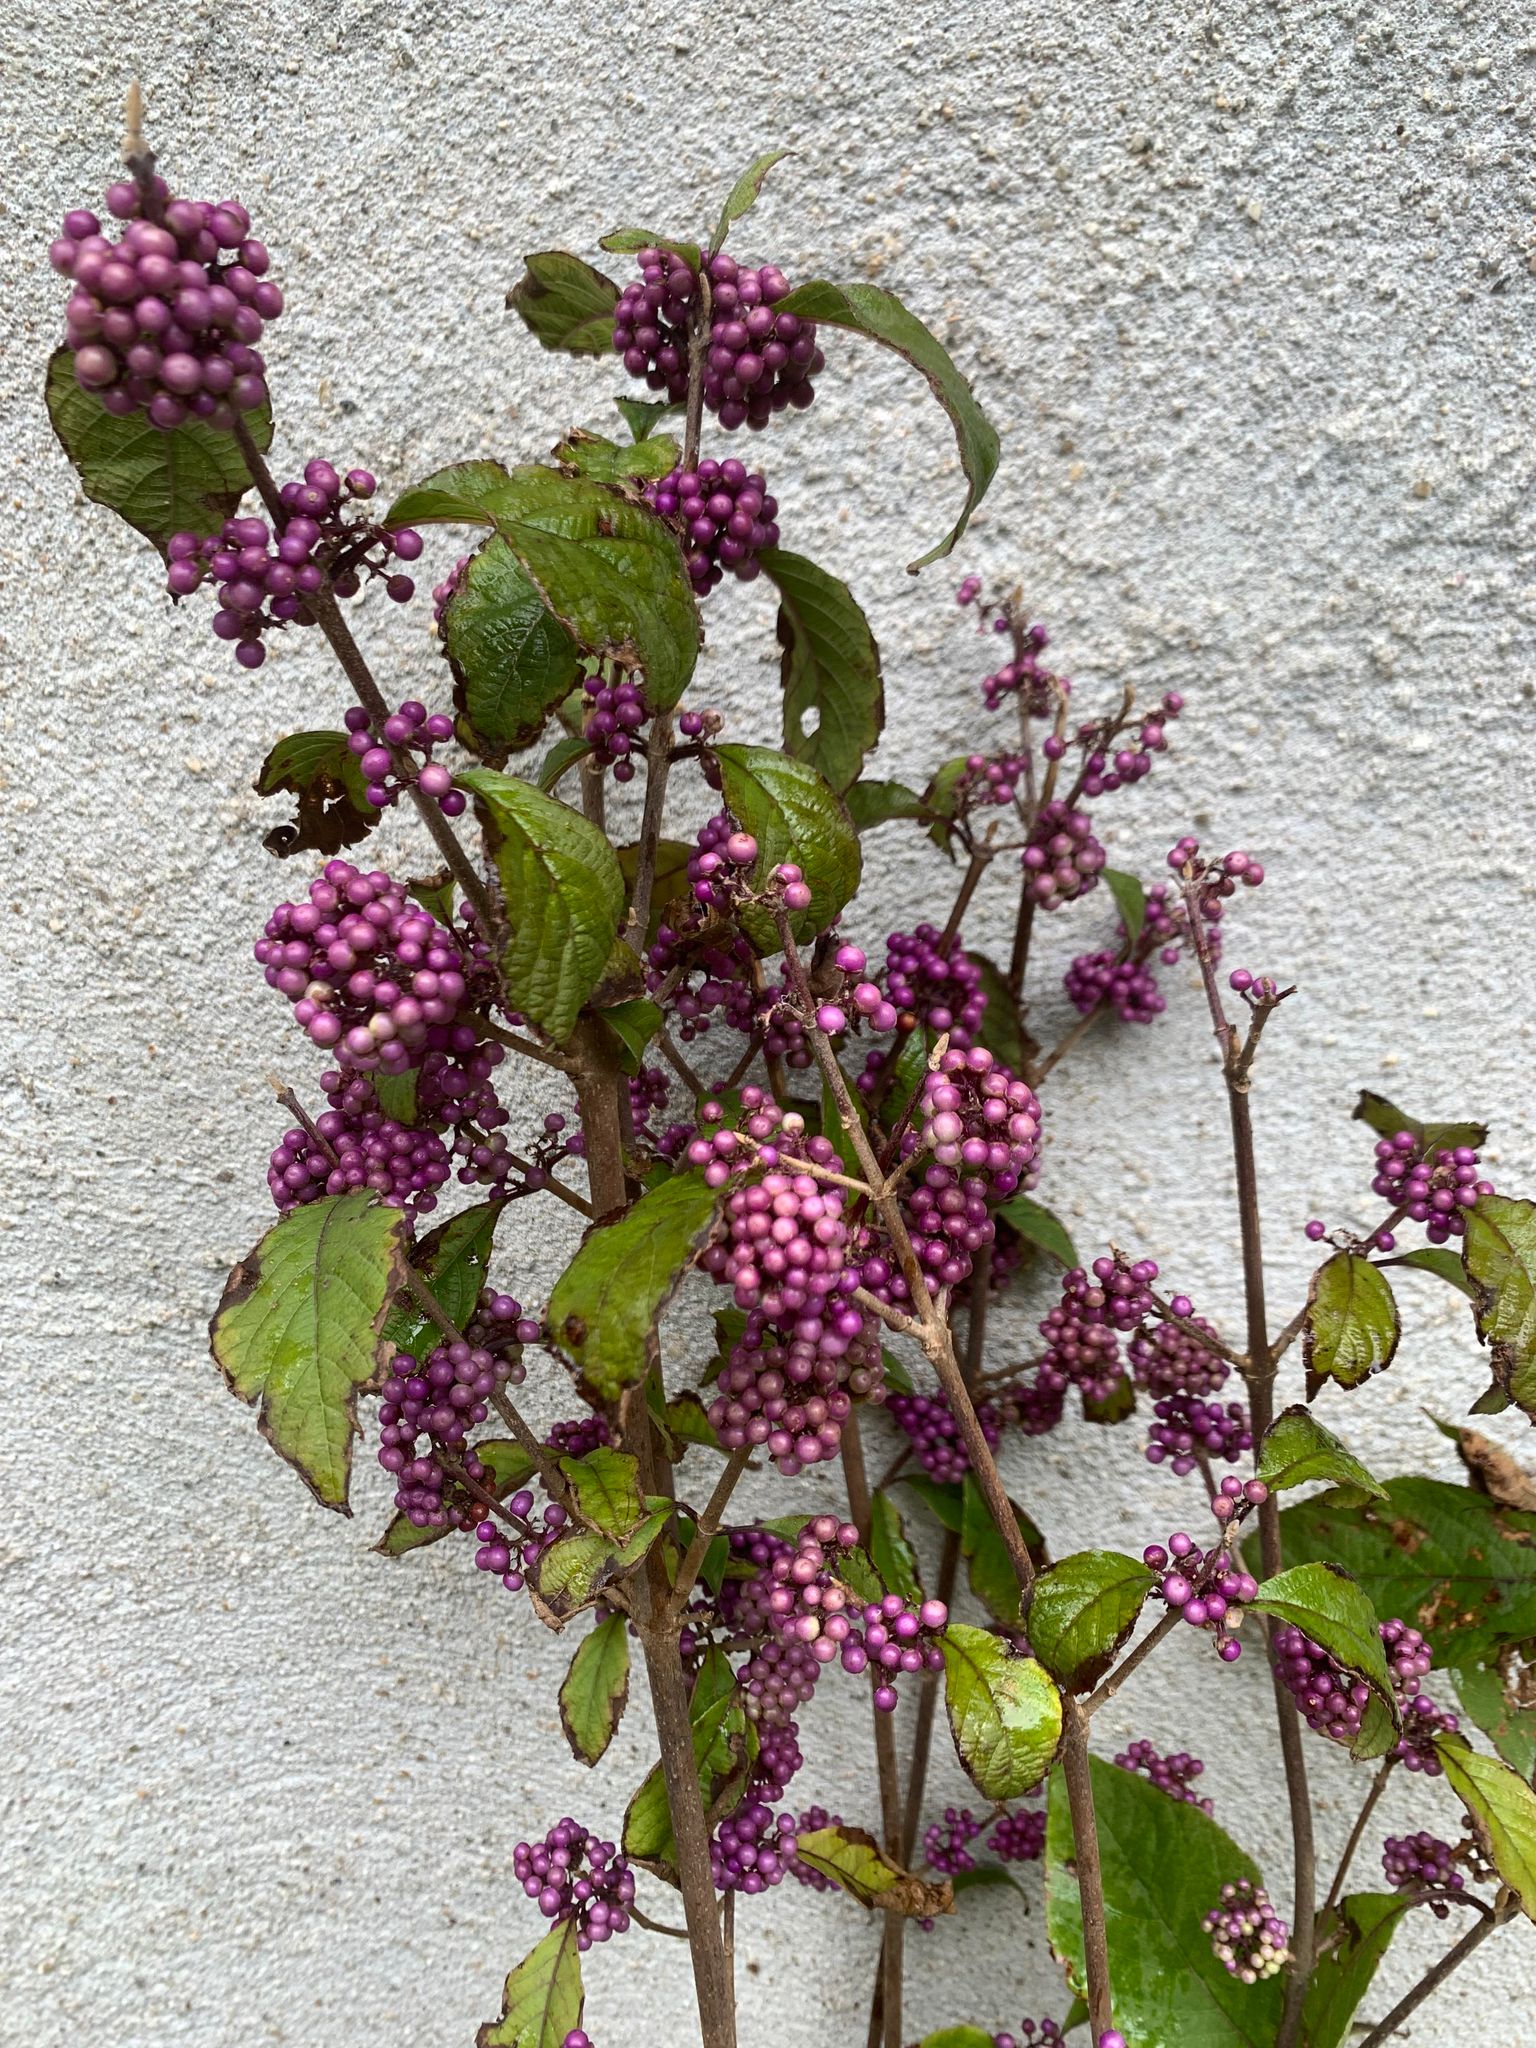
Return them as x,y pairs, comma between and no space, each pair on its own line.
857,1864
1493,1471
1499,1252
321,772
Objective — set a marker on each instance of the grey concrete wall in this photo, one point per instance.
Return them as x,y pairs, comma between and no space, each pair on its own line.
1248,290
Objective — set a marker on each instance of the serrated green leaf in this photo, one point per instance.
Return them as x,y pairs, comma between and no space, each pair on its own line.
508,1467
564,897
320,770
1499,1252
1352,1939
1082,1611
1508,1725
611,462
1325,1603
857,1865
630,241
1004,1712
794,815
1503,1810
1036,1225
188,480
1437,1259
560,759
512,661
565,304
573,1571
1130,901
1352,1326
1387,1120
605,1485
866,309
876,803
634,1025
891,1554
993,1578
542,2000
743,196
643,416
595,1690
607,1302
1296,1448
298,1331
453,1260
831,666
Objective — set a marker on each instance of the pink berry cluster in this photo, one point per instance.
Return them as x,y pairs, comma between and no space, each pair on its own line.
1175,1774
1062,860
1247,1936
578,1878
727,516
1436,1192
440,1400
759,361
1185,1429
615,711
355,1145
1426,1868
1206,1587
975,1116
264,581
165,320
1104,772
936,983
412,732
1168,1357
812,1604
1216,880
1126,986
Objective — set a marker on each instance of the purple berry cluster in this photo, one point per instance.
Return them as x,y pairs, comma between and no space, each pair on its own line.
973,1115
1425,1867
1247,1936
1019,1837
441,1400
1168,1357
358,1146
935,983
1185,1429
700,962
810,1604
1333,1703
509,1553
1103,772
945,1841
1174,1774
928,1423
1031,2034
1126,986
1216,881
577,1878
165,320
1061,859
727,516
1024,675
616,709
1436,1192
411,731
759,361
1207,1587
264,581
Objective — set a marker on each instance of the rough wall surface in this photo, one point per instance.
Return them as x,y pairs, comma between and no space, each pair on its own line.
1248,291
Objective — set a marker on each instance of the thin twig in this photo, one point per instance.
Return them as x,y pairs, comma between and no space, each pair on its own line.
705,1531
1362,1819
1432,1979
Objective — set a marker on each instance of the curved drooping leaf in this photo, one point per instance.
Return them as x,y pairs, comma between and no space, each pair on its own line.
1438,1259
1499,1252
595,1689
857,1865
743,196
612,462
634,1024
1503,1810
1036,1225
866,309
988,1565
1130,900
1296,1448
1352,1324
188,480
542,2000
831,667
890,1553
452,1259
605,1486
794,815
298,1330
563,892
630,241
876,803
512,660
507,1467
1164,1864
1325,1603
607,1301
1082,1611
608,568
1004,1712
1352,1939
1387,1120
565,304
322,772
571,1573
1445,1559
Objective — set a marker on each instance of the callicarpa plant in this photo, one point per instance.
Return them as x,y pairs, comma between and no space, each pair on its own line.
832,1143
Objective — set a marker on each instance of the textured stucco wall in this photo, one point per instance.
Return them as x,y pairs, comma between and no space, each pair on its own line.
1248,290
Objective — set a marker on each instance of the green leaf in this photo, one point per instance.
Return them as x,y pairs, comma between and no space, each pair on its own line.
595,1691
560,759
943,1500
605,1485
298,1330
1037,1225
986,1877
724,1744
1353,1938
564,897
565,304
630,241
794,815
437,895
1508,1725
1386,1120
670,882
1439,1260
1082,1611
744,196
993,1578
634,1024
876,803
1445,1559
1352,1324
897,1378
1001,1031
1296,1448
575,1568
396,1093
831,666
891,1554
189,480
689,1423
453,1260
1503,1810
1115,1406
866,309
1499,1251
608,1300
1325,1603
958,2037
1004,1712
542,2001
512,661
605,565
508,1467
1492,1401
1130,901
857,1864
1164,1864
611,462
643,416
320,769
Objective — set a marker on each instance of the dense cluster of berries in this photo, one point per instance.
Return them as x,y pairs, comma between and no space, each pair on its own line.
1019,1837
752,1849
1333,1702
1174,1774
577,1878
1168,1357
1426,1867
1126,986
265,580
701,944
973,1115
1436,1192
989,780
928,1423
945,1841
936,983
1185,1429
615,711
358,1146
1081,1347
410,731
809,1603
1061,859
584,1433
442,1400
1205,1586
1104,772
165,320
758,362
1247,1936
727,516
